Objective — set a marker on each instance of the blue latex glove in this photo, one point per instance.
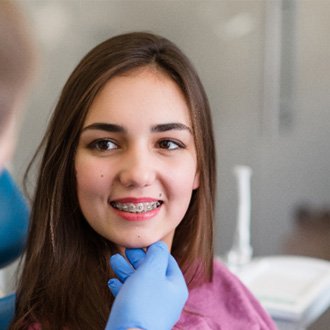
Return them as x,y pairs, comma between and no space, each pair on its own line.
150,292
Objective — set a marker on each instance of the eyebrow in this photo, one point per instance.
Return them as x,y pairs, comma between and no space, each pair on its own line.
105,127
170,127
119,129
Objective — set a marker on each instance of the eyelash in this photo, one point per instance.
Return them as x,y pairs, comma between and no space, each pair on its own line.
162,144
97,145
179,145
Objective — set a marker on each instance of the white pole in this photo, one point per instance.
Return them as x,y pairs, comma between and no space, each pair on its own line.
241,251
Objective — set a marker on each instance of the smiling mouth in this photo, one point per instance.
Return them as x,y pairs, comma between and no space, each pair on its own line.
136,207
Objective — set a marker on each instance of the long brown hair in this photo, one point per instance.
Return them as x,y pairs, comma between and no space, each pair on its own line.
65,273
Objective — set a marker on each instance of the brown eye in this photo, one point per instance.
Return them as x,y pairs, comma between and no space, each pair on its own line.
170,144
103,145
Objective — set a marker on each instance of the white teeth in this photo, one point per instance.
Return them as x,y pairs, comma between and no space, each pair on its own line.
136,207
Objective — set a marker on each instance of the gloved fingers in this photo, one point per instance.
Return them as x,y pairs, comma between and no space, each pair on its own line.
135,256
156,259
114,285
121,267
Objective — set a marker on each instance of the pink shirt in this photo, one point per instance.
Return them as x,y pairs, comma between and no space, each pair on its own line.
223,304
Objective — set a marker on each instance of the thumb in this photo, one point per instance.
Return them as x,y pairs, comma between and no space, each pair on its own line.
174,273
175,276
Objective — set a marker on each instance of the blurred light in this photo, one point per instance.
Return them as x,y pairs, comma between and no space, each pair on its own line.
237,27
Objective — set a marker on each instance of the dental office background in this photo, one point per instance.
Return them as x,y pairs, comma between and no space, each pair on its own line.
265,66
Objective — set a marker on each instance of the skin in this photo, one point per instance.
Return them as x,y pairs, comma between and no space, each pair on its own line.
8,135
147,154
7,143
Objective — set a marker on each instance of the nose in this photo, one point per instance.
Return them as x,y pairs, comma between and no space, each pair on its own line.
138,169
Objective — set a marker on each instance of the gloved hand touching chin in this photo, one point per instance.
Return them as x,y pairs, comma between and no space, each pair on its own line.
150,291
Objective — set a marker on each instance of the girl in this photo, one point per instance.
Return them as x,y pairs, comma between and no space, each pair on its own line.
128,160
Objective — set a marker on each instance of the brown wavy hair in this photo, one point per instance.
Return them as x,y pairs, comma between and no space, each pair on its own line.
65,272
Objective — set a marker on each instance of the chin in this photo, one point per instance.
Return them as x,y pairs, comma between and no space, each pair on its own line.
139,243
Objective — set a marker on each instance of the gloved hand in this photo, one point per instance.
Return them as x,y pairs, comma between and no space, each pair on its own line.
150,293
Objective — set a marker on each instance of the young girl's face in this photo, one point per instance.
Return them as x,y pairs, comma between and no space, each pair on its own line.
136,160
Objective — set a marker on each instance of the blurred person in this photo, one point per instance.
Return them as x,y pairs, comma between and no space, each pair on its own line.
17,64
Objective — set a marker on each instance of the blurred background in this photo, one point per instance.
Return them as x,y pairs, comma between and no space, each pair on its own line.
265,66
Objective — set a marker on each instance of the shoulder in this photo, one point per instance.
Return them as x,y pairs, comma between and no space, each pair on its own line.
225,303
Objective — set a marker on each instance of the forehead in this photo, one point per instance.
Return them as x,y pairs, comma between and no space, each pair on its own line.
143,94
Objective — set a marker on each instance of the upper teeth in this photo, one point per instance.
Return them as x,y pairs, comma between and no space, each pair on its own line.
136,207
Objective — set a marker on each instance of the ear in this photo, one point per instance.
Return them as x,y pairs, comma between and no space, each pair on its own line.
196,181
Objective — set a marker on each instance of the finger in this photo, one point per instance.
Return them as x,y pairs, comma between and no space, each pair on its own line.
121,267
156,259
135,256
114,285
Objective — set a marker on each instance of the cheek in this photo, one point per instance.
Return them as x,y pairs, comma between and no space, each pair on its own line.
184,177
91,179
182,183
